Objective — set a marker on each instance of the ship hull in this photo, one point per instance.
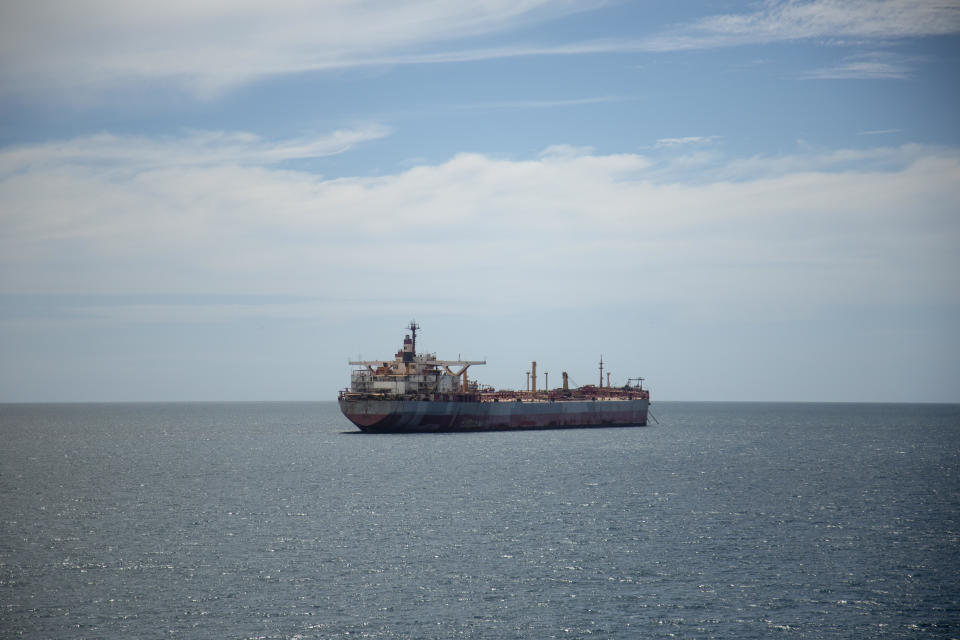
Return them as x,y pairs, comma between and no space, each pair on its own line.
401,416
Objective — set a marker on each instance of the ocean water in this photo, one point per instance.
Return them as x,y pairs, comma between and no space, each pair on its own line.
276,520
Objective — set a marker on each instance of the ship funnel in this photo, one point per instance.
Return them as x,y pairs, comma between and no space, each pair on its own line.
566,381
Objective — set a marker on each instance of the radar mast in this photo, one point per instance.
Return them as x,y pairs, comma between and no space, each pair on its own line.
413,334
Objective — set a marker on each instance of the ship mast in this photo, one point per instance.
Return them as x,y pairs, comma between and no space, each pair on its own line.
413,332
601,372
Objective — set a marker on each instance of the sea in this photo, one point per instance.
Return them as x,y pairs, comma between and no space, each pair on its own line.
280,520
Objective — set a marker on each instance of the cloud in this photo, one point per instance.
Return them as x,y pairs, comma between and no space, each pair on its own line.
565,151
196,148
541,104
880,160
689,140
784,20
566,228
867,66
206,48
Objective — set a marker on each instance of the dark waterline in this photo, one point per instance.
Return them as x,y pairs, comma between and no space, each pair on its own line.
263,520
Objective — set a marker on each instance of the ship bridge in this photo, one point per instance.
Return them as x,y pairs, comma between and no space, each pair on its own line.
411,373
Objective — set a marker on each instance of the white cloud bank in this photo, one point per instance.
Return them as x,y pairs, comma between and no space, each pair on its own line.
207,47
567,228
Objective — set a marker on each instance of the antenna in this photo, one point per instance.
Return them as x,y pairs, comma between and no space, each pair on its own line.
413,332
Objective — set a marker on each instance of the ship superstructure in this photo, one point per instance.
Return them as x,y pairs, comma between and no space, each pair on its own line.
418,392
411,375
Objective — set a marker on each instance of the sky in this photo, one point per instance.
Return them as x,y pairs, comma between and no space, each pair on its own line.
736,200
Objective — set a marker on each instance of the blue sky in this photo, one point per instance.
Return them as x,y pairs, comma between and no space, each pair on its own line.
735,200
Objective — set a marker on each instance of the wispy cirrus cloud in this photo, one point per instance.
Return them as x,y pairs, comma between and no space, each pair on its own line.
195,148
206,48
878,132
541,104
785,20
685,141
867,66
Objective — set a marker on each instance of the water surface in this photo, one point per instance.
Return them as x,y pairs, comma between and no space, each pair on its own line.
275,520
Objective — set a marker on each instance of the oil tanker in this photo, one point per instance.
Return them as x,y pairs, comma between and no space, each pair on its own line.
417,392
